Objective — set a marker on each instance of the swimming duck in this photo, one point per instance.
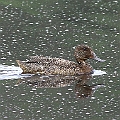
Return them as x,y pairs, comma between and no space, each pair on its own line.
52,66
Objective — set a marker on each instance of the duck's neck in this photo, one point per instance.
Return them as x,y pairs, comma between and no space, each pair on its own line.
81,62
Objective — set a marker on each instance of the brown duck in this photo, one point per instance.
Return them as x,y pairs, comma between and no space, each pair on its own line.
52,66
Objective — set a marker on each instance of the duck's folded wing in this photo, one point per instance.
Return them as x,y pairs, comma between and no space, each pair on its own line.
50,61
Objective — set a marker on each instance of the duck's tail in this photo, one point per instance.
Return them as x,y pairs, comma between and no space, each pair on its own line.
30,67
22,66
18,62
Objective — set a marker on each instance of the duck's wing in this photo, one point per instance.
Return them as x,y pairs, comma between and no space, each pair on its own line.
40,58
50,61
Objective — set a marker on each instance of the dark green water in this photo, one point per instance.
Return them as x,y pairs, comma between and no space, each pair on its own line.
53,28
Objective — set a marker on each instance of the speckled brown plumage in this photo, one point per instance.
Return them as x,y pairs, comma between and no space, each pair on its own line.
48,65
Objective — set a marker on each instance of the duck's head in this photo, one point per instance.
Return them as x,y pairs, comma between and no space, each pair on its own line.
84,52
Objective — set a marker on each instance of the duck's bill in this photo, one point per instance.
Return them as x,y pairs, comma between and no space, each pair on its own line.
98,59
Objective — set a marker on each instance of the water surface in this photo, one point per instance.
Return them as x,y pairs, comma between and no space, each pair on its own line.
53,28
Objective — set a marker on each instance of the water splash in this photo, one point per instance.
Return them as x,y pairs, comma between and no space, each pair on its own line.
98,72
11,72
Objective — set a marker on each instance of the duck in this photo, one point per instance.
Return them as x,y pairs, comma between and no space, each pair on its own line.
59,66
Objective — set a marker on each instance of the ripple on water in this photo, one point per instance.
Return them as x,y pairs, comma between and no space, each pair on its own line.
11,72
98,72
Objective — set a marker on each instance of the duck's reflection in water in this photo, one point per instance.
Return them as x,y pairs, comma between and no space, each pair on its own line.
82,90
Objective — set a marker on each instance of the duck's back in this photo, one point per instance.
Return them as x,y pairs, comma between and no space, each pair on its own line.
48,61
